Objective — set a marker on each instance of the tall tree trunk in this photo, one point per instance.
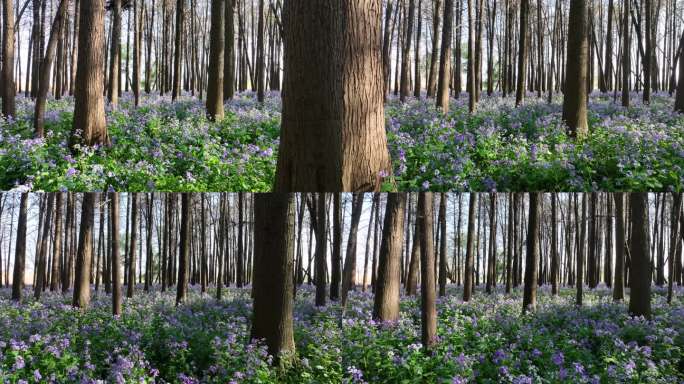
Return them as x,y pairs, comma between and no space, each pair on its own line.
229,53
45,69
445,57
640,265
427,281
470,249
618,284
579,270
81,297
20,250
215,86
442,245
180,26
9,88
388,283
522,52
57,249
432,76
261,57
675,235
406,51
576,72
626,56
321,246
333,132
532,256
555,256
89,125
648,53
115,262
115,55
272,316
184,256
132,245
137,33
336,260
349,273
42,254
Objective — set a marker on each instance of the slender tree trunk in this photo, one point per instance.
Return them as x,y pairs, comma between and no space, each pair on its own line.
115,262
349,273
20,250
432,76
336,249
445,57
321,246
85,247
114,55
215,86
442,245
675,236
618,284
427,272
180,30
470,249
184,256
626,54
57,249
132,245
522,52
532,257
555,256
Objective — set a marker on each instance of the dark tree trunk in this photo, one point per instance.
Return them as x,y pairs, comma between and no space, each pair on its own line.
388,283
576,72
215,86
445,57
618,284
8,89
81,297
321,246
470,249
427,272
115,262
522,52
532,256
442,245
184,256
272,318
20,250
336,261
640,265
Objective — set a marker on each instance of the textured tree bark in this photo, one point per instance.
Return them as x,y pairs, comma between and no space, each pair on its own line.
20,250
579,270
57,248
432,76
272,318
491,259
445,58
9,88
576,71
261,57
388,283
414,266
679,97
336,249
640,265
89,116
427,272
177,68
184,256
522,52
115,54
137,22
215,86
470,249
532,257
333,133
81,297
116,264
321,246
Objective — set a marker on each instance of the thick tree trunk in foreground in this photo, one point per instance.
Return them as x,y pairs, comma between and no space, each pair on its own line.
215,86
333,131
576,71
427,271
89,115
272,317
388,283
640,264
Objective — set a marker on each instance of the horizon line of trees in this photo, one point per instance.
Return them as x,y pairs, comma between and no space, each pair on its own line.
175,240
363,50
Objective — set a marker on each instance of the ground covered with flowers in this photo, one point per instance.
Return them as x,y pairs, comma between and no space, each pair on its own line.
487,340
165,146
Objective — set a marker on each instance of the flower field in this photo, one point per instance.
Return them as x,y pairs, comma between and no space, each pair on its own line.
485,340
165,146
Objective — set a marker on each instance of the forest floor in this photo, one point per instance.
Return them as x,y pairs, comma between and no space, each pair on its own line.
485,340
170,146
